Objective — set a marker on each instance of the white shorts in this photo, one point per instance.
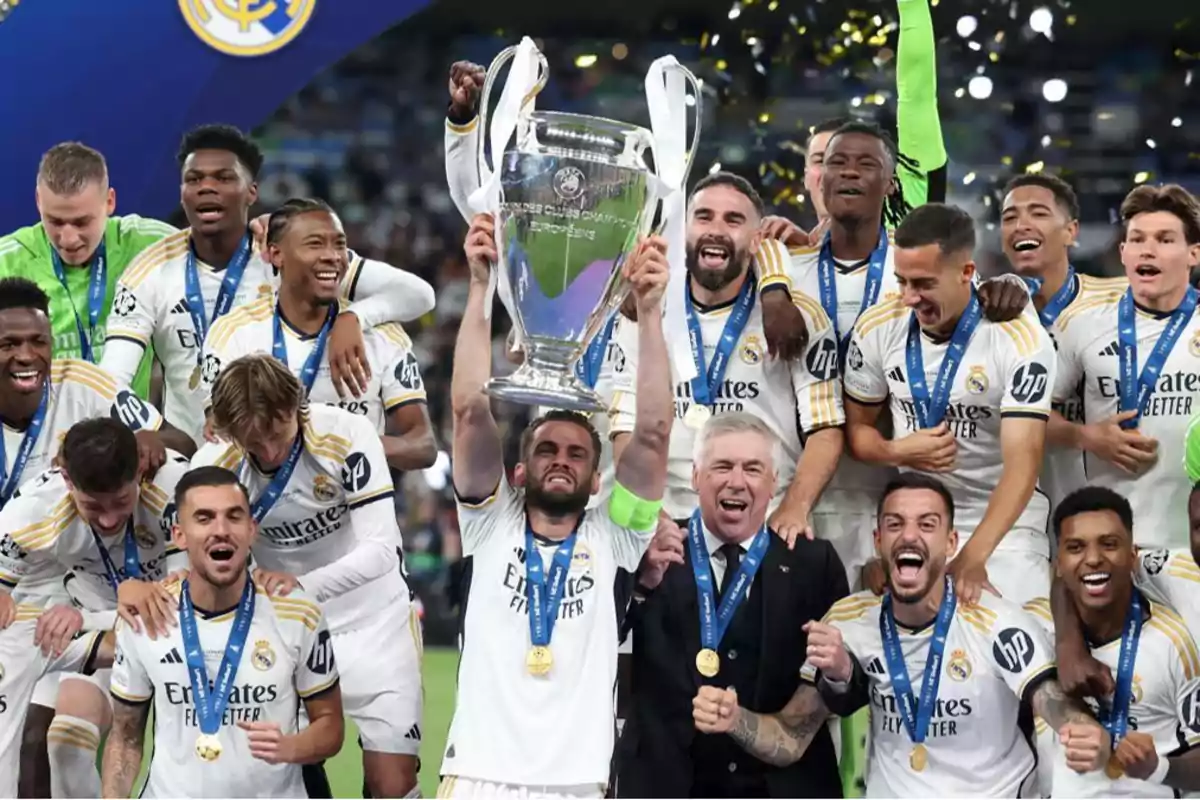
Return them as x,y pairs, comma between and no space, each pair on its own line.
45,692
1019,576
453,786
852,534
379,663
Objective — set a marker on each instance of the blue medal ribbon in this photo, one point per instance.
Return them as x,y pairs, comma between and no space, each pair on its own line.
1136,390
133,565
1065,295
97,290
715,619
1117,719
827,278
931,409
308,372
225,296
9,481
279,481
916,714
709,377
587,369
211,699
544,593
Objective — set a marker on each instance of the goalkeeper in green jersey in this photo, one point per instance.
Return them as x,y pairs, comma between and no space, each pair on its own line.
79,251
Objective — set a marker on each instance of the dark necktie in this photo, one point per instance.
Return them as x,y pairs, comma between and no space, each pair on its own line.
733,557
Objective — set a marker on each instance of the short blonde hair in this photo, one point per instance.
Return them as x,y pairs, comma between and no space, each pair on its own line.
252,392
736,422
68,167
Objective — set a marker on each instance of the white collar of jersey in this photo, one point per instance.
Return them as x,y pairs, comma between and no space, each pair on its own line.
714,543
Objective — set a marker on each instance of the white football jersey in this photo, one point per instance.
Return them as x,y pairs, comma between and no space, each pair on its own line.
1166,697
1008,370
798,269
1172,578
46,538
395,374
334,526
22,665
794,399
513,727
995,656
78,391
288,657
1088,355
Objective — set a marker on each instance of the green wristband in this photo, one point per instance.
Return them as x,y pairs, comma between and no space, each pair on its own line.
1191,450
630,511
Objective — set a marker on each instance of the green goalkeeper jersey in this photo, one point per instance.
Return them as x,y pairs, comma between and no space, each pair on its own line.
26,253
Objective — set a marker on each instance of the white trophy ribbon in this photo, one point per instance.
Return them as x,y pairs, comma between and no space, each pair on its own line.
666,97
516,103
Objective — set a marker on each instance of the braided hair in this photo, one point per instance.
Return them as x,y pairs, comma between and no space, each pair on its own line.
895,205
282,217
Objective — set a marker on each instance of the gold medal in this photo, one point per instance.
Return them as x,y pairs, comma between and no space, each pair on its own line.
1113,769
696,416
194,380
208,747
539,660
919,759
708,663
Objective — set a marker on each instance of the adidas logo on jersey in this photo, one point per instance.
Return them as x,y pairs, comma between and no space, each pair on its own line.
180,308
895,374
172,657
414,733
875,667
1111,350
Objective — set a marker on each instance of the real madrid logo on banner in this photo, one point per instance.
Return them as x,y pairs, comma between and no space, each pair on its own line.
247,27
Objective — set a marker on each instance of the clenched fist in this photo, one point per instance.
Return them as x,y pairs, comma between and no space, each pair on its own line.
827,652
715,710
1086,746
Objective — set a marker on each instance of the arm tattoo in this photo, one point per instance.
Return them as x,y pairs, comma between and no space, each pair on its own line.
1052,704
781,739
123,750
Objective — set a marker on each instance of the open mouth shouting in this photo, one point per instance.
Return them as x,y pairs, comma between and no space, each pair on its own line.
221,552
908,563
714,255
1095,584
26,380
1147,272
1025,248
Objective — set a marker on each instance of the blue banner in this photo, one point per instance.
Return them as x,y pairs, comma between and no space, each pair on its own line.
146,71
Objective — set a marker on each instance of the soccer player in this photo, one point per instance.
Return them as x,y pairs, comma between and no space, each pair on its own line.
24,665
78,252
1039,221
307,245
851,269
227,683
1136,353
1156,702
799,400
98,520
321,493
969,400
935,732
535,706
171,295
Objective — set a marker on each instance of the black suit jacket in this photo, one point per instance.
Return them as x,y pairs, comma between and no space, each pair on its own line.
654,754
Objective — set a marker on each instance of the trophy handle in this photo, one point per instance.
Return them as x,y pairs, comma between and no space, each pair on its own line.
699,114
493,73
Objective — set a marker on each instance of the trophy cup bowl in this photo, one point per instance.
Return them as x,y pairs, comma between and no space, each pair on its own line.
576,193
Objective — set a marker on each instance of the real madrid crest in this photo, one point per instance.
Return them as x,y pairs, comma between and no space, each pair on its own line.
247,27
977,380
324,489
1194,345
568,183
752,350
959,666
265,290
144,538
263,657
1,673
1136,690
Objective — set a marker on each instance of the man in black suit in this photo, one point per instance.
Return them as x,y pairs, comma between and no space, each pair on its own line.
736,621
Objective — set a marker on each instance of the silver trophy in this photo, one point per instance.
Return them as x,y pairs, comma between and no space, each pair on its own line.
576,194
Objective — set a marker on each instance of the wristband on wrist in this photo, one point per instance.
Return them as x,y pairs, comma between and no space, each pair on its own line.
1160,772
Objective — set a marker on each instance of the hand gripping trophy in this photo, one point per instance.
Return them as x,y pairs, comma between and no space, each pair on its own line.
571,195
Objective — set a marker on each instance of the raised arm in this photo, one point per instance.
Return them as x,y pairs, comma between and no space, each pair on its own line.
462,132
477,458
642,466
917,121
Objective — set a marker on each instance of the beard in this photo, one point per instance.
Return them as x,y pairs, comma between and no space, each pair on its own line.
715,280
934,570
558,504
